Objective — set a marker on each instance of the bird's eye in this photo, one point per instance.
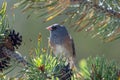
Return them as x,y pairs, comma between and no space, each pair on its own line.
54,28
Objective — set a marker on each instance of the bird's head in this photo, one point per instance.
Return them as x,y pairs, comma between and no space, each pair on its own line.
57,30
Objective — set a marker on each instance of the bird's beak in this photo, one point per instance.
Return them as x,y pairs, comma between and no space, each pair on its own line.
49,28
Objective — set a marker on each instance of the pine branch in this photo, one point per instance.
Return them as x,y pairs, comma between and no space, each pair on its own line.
104,6
102,17
3,19
9,41
15,56
99,68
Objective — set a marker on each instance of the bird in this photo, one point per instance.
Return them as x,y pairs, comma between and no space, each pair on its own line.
62,43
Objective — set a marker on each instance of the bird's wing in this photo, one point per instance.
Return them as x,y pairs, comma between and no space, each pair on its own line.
73,47
69,45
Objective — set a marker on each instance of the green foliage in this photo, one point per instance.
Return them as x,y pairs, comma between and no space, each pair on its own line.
44,66
99,68
3,20
4,24
99,17
7,53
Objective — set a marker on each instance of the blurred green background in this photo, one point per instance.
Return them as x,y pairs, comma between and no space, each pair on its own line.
29,29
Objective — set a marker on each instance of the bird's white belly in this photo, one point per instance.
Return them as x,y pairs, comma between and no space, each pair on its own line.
63,53
60,51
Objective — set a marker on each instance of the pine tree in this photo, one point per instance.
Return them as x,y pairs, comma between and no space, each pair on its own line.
99,17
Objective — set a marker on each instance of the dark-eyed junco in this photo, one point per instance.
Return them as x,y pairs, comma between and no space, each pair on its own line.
62,43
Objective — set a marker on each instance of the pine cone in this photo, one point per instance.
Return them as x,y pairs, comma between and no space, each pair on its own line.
4,60
15,38
10,41
8,44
